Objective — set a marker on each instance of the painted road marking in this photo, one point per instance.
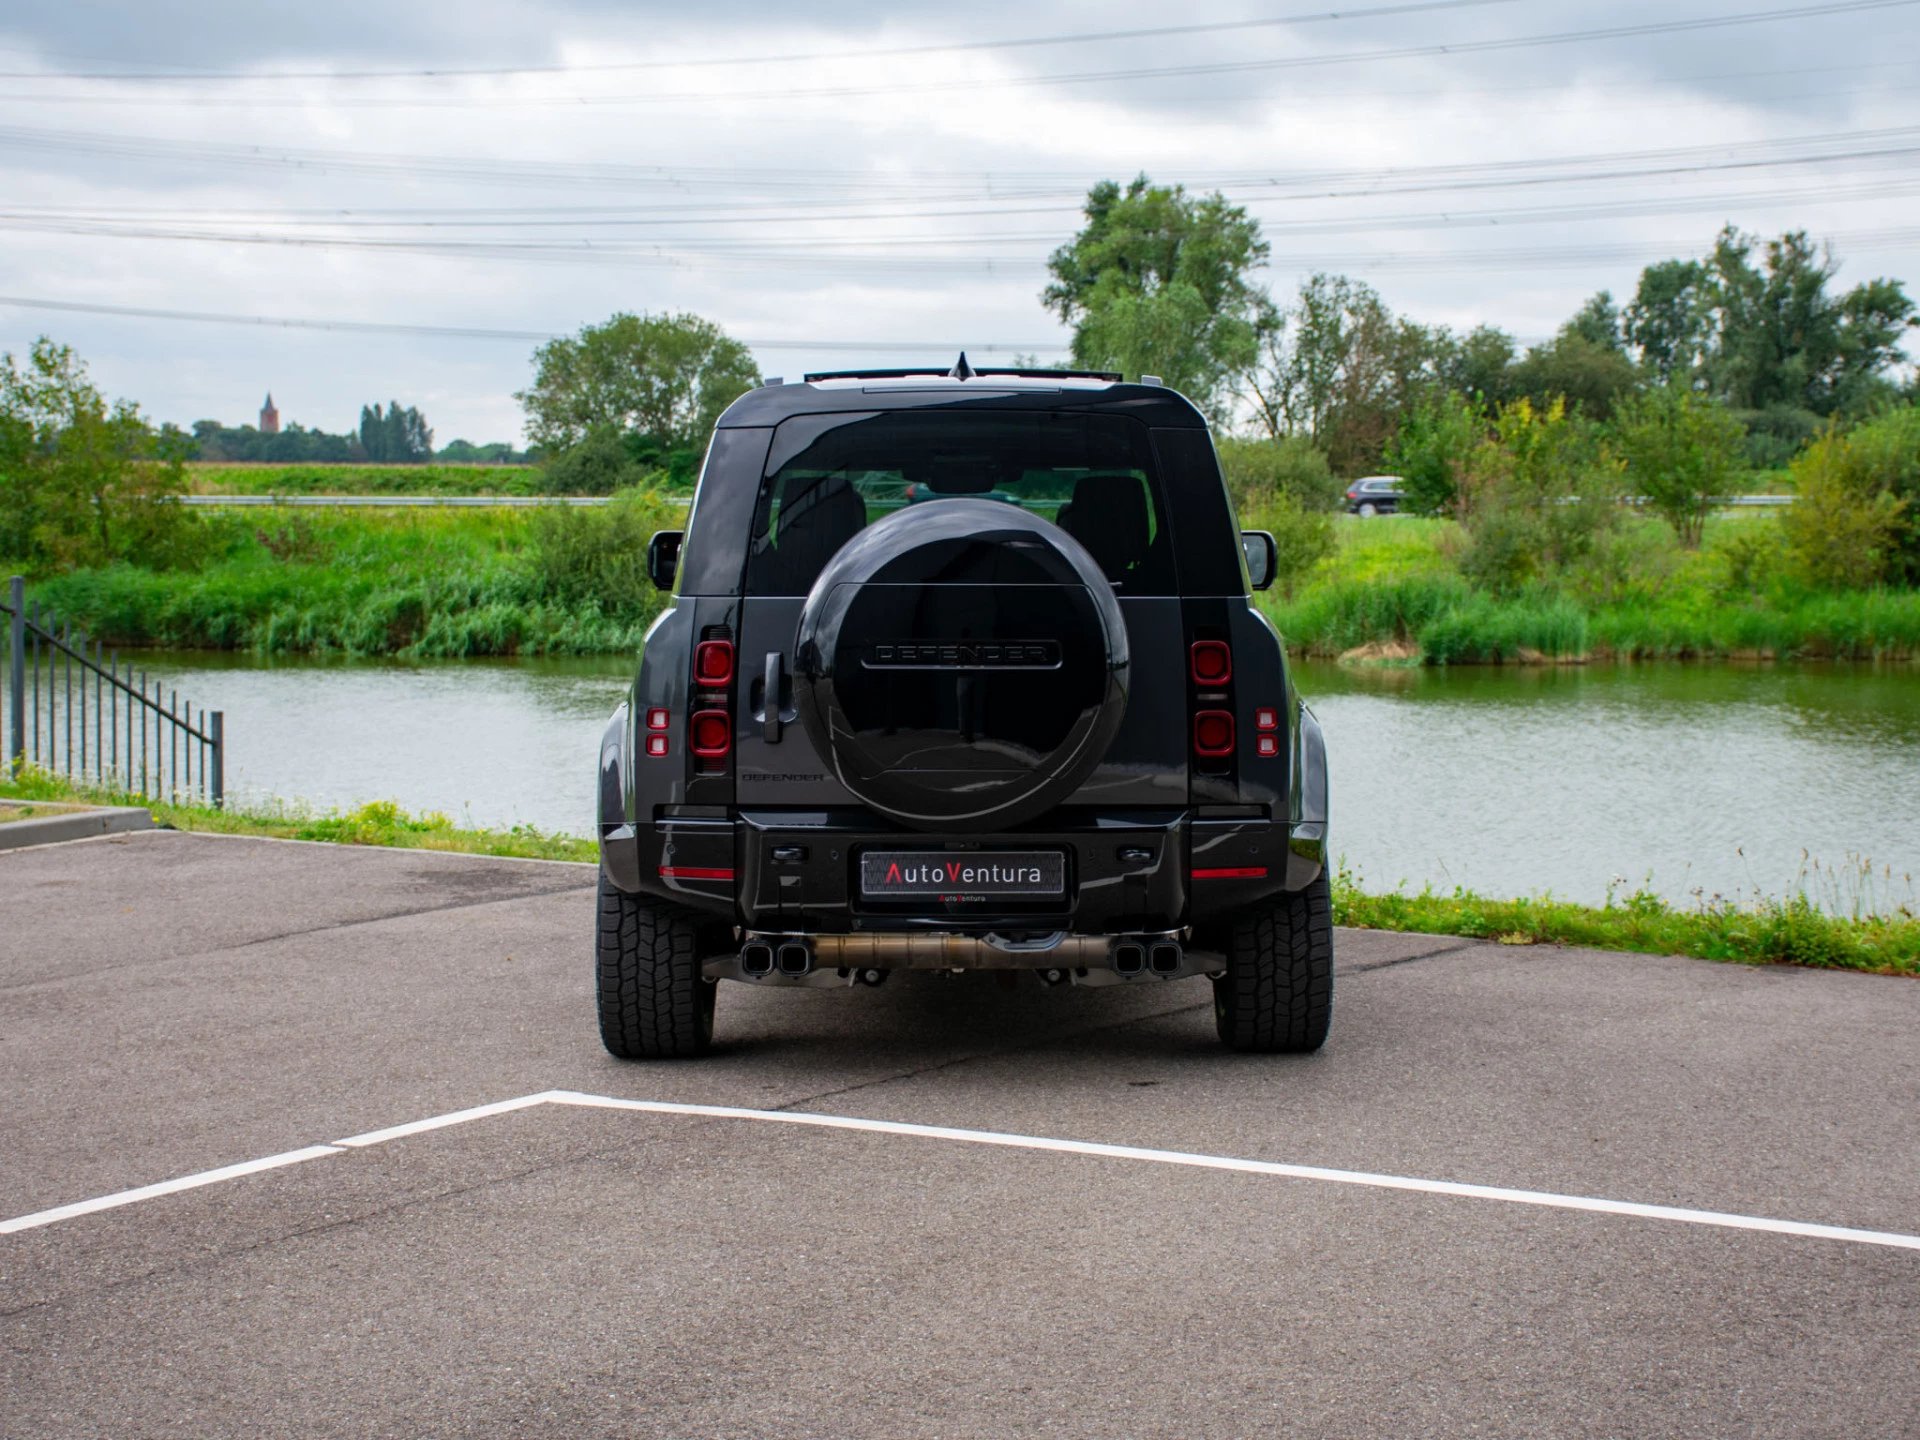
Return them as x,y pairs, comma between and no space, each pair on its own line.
1280,1169
165,1187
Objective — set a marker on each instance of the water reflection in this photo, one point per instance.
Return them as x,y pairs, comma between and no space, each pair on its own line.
1516,780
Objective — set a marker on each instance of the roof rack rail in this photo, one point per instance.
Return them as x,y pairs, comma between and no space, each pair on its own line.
1112,377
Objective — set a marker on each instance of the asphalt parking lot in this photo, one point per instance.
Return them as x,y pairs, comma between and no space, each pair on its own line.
557,1264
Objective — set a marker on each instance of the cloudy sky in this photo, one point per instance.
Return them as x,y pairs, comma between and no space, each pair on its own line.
874,183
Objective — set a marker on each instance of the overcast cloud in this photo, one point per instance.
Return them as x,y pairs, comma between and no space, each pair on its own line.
912,206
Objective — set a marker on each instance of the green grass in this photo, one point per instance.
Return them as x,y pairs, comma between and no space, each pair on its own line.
1792,931
380,823
235,479
1769,930
416,583
1391,590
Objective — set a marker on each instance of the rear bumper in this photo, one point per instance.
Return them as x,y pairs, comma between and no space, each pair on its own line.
796,872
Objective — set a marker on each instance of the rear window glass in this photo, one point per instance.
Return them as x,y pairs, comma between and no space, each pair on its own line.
829,476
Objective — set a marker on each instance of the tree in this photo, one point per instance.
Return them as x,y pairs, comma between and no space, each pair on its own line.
1597,322
1770,336
1158,282
397,435
1586,373
1437,437
663,377
1330,369
1682,451
1478,364
1667,321
83,482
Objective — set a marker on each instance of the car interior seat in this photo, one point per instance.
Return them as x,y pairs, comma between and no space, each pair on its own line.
1108,515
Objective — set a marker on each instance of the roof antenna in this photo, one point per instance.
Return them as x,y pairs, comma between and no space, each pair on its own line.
961,369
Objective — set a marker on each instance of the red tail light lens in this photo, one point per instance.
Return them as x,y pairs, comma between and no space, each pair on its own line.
1211,661
713,663
710,734
1213,733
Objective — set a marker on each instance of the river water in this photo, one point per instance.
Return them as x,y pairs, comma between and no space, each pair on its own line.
1510,781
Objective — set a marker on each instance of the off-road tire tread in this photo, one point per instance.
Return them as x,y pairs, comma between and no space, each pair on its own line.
1277,994
653,1003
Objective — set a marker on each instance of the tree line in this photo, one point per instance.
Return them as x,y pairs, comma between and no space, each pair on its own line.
1160,281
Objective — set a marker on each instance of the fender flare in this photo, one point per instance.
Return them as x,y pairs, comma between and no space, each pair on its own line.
1307,838
619,844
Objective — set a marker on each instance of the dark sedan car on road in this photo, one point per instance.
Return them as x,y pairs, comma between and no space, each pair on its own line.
1374,495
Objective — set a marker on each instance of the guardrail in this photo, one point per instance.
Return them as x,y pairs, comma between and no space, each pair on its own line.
523,502
66,698
399,502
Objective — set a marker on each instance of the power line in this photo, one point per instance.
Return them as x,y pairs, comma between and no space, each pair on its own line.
993,191
646,254
1161,32
465,332
763,94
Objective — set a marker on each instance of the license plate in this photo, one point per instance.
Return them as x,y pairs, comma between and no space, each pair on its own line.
934,874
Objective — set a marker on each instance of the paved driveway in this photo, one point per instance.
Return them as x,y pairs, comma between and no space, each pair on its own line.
558,1265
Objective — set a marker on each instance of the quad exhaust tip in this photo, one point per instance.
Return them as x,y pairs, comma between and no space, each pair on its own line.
795,958
1129,958
756,958
1164,958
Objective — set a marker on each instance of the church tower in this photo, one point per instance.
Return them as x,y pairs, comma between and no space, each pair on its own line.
269,417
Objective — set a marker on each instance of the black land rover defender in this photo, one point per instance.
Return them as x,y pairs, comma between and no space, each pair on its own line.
961,673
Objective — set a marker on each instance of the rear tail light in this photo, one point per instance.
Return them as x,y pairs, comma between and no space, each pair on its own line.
710,734
657,720
713,663
1213,734
1211,662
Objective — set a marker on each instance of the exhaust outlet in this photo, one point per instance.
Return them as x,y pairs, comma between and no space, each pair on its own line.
756,958
795,959
1164,958
1129,958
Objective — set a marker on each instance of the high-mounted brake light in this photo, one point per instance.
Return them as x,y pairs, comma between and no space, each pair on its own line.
1211,662
1213,734
710,734
713,663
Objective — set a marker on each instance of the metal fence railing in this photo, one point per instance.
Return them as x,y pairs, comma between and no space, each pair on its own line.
73,709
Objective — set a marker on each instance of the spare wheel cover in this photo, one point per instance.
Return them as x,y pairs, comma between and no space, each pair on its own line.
963,663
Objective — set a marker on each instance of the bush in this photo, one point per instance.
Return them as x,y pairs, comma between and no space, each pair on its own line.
1846,524
85,483
1302,538
1884,455
1431,451
598,554
1535,497
603,462
1681,450
1776,434
1293,467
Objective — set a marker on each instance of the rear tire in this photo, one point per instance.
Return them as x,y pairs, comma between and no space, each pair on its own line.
1277,995
653,1002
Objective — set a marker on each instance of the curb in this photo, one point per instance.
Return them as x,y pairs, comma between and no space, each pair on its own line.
80,822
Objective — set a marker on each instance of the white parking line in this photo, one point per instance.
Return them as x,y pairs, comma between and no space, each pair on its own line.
1635,1209
165,1187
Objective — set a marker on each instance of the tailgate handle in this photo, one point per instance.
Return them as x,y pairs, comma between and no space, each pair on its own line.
770,725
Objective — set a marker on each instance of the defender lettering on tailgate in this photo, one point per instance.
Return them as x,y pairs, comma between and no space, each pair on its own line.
965,655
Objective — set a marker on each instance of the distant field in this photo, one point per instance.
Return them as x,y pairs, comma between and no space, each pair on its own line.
231,479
